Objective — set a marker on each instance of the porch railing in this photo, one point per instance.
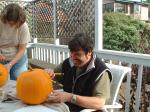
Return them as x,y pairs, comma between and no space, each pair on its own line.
55,54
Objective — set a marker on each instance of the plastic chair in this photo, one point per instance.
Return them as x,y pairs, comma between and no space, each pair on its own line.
118,72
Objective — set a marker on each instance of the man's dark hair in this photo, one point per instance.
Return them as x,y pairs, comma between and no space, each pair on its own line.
81,41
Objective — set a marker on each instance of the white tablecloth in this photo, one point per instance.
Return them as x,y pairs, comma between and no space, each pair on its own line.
10,88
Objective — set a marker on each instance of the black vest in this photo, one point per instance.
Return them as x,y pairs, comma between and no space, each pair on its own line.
84,84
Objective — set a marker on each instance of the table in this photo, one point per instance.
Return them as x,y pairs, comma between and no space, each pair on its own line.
10,89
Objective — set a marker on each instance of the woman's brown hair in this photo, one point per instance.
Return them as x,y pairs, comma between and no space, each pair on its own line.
13,12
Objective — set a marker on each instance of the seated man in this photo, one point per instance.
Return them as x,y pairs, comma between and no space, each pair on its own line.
86,79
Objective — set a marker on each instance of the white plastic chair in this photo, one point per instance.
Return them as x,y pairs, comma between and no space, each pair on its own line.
118,73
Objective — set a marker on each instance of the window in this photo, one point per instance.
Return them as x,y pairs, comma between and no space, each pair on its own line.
120,7
135,9
109,7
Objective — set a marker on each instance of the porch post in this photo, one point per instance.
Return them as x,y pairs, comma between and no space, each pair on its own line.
98,25
34,24
56,40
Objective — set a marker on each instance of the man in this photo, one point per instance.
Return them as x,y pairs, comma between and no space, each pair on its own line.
86,79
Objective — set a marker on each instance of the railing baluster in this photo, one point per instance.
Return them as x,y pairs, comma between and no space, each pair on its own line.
138,90
46,55
37,53
59,57
63,55
128,88
53,59
50,55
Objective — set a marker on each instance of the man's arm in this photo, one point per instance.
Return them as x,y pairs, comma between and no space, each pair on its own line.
90,102
95,102
101,94
87,102
102,88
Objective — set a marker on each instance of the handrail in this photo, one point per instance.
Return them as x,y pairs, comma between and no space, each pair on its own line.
134,58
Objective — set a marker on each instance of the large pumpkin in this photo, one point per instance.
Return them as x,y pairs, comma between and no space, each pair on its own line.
34,86
3,75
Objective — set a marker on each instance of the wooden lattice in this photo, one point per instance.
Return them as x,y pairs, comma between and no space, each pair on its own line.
72,16
76,16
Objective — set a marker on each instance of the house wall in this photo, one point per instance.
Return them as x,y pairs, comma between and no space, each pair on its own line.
137,11
144,13
141,15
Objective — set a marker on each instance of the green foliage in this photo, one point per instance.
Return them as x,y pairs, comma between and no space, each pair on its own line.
123,33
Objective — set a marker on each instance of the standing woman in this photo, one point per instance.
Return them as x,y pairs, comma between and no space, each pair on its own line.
14,36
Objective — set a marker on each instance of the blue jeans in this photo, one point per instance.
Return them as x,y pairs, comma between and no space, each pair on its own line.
18,68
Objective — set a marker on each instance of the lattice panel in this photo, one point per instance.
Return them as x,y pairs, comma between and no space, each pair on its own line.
74,16
43,11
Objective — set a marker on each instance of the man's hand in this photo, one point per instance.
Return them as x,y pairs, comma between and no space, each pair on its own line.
59,97
50,72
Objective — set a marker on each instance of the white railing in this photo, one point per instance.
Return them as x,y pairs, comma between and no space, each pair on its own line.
57,53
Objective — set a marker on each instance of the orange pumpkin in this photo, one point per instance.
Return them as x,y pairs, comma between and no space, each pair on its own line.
34,86
3,75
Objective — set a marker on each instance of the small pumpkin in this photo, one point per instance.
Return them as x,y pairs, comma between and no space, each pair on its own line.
3,75
34,86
